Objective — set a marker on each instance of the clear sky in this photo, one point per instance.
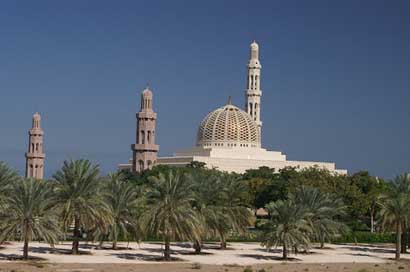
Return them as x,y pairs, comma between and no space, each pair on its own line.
335,76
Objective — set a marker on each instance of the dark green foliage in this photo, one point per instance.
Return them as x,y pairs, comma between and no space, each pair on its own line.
314,205
365,237
169,213
32,216
79,200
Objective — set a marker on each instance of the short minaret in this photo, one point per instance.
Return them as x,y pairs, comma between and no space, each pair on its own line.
253,92
145,150
35,155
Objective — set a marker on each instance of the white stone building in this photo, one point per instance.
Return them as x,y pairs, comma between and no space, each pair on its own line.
229,139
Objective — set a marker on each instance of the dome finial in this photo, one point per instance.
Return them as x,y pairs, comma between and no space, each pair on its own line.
229,100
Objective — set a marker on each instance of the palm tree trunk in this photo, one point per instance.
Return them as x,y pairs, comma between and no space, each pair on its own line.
197,247
76,236
167,250
322,242
285,252
223,241
371,221
404,237
25,249
398,241
114,242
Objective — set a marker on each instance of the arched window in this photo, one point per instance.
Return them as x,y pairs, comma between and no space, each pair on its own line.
252,82
250,109
141,163
256,82
149,137
32,147
149,163
256,110
37,147
142,137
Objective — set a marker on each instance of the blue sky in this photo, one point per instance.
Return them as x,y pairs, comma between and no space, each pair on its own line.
335,76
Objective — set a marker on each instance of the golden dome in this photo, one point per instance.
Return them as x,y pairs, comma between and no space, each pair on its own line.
228,127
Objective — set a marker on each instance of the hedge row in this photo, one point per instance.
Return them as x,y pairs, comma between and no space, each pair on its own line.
366,237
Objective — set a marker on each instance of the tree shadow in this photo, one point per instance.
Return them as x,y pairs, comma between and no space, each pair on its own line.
62,251
371,249
143,257
15,257
323,248
119,248
268,258
272,250
174,251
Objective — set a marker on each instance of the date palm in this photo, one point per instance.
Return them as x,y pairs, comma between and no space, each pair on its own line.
240,217
31,214
169,213
395,208
124,202
323,210
79,199
209,195
219,201
287,226
7,178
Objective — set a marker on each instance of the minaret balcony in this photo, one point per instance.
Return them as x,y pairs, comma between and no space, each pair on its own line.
30,155
145,147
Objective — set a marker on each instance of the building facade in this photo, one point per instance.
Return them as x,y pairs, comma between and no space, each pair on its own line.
230,139
35,155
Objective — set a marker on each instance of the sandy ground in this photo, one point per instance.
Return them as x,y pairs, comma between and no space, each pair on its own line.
144,257
173,267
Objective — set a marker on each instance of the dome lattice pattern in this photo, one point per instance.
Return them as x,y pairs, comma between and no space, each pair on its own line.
228,126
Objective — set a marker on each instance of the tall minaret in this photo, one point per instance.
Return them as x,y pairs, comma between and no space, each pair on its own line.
35,156
253,92
145,150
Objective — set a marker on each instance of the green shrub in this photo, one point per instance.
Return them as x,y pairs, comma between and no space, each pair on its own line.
248,269
365,237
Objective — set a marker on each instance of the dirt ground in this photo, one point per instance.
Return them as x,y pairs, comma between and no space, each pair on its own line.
177,267
236,254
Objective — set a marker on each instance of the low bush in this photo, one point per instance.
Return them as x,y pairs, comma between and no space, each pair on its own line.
365,237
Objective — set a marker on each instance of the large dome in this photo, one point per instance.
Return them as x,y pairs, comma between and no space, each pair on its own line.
228,126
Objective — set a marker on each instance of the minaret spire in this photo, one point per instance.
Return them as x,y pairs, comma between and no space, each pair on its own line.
145,150
35,155
253,92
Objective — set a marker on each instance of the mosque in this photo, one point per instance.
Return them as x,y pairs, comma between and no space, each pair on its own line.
228,138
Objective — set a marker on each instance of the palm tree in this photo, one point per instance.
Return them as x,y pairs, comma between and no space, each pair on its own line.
31,214
169,212
395,208
7,178
78,196
219,201
209,192
240,217
124,202
323,210
287,226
